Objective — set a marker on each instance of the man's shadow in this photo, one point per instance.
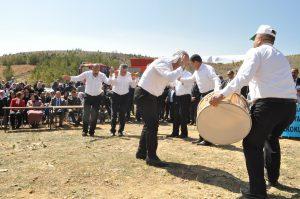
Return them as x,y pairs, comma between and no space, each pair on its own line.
218,177
206,175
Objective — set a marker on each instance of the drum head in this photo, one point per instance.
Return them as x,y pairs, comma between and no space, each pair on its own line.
224,124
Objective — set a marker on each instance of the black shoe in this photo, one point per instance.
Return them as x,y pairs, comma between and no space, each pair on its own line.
140,156
121,134
92,134
247,195
172,136
155,162
272,184
182,136
204,143
84,134
197,141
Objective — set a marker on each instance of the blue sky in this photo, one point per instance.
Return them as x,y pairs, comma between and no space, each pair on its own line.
153,27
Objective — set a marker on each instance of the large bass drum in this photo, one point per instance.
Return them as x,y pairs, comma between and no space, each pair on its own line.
227,123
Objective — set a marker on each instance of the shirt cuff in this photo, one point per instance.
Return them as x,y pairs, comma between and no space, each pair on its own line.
225,92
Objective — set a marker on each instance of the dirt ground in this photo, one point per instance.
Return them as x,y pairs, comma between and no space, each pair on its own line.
62,164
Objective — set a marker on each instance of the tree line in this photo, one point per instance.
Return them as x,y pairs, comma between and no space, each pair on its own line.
51,65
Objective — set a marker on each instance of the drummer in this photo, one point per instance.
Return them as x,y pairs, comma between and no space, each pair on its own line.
207,81
267,71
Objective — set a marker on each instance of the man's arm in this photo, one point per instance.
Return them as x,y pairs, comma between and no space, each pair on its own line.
105,80
164,71
245,73
216,79
187,80
77,78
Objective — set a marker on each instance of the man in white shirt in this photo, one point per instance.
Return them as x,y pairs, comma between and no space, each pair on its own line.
93,91
182,105
271,87
156,77
207,81
121,81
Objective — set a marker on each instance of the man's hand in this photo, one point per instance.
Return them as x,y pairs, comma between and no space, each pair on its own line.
193,99
66,77
216,99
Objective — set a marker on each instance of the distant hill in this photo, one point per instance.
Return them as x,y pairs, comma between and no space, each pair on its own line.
50,65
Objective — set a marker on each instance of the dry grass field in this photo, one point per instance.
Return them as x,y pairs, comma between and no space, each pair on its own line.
21,72
62,164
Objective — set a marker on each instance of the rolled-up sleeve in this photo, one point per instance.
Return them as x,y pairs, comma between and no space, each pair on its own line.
245,73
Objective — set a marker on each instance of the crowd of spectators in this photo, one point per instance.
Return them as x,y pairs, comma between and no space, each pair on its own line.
23,94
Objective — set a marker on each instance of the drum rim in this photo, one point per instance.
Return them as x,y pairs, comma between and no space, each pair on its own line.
224,102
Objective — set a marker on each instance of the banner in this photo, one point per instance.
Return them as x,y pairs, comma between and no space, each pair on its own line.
293,131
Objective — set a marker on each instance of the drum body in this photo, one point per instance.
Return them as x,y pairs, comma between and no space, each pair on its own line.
227,123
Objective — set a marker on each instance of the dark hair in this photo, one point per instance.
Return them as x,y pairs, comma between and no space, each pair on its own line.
268,38
124,66
19,94
196,58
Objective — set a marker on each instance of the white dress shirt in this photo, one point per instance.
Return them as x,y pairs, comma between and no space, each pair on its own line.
184,89
268,73
158,75
93,85
206,79
121,84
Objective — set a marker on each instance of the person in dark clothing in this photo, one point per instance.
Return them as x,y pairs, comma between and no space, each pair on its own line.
196,96
295,73
58,101
73,100
3,103
130,107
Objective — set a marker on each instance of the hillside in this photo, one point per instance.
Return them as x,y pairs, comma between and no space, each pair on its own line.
50,65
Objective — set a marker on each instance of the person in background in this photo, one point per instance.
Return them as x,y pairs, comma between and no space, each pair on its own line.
55,85
93,96
35,116
230,76
298,94
73,100
39,87
182,100
130,107
170,104
196,96
16,115
295,73
3,103
58,101
81,87
121,82
207,81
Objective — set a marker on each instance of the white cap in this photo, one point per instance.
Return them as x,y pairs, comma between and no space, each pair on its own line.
176,56
265,29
